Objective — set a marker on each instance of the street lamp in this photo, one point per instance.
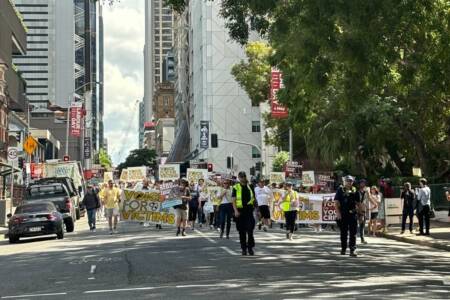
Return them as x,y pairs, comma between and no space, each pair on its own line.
68,112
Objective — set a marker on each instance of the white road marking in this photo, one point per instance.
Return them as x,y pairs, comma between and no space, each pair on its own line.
121,290
93,268
33,295
229,251
227,285
91,278
205,236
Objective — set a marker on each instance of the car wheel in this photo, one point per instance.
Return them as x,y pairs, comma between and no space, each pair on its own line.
13,239
77,213
60,234
69,225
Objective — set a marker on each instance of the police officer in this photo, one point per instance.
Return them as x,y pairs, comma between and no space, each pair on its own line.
243,199
347,207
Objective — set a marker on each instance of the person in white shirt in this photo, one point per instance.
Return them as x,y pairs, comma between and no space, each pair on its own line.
424,207
264,197
225,208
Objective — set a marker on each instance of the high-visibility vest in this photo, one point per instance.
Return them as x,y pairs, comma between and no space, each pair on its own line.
286,204
238,189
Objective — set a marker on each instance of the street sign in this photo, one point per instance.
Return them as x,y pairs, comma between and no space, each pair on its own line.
30,145
87,148
204,134
13,153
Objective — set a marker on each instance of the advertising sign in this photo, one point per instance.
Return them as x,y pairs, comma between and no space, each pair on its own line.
193,175
169,172
75,114
276,83
204,134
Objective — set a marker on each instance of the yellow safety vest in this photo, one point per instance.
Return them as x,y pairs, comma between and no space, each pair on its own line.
286,204
238,189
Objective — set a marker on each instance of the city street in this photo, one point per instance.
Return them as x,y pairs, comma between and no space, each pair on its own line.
142,263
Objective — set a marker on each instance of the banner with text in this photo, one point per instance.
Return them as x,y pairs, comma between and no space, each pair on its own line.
193,175
313,208
146,206
76,115
137,173
276,83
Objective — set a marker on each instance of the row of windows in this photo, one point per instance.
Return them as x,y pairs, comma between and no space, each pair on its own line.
31,64
34,12
37,42
35,20
37,34
31,5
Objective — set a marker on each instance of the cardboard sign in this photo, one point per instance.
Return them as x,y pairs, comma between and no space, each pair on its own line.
277,177
137,173
169,172
308,178
193,175
107,176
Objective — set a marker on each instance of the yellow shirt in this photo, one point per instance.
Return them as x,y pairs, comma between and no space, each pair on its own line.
111,197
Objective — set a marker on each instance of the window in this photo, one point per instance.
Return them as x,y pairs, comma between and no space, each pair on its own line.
166,102
256,126
255,153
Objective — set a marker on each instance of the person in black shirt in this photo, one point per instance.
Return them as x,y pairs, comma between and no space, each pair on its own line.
243,199
409,205
347,207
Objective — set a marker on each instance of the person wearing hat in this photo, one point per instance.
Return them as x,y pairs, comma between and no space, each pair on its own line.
243,200
347,206
289,204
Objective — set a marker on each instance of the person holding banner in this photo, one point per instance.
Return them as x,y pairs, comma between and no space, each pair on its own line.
243,199
225,208
347,205
289,205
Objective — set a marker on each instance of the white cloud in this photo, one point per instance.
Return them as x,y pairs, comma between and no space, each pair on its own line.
124,40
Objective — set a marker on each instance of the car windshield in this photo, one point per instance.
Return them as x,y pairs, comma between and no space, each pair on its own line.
40,192
43,207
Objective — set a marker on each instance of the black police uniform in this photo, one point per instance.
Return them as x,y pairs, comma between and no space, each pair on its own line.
245,223
348,200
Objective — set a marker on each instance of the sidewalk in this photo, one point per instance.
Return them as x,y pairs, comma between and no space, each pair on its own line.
439,238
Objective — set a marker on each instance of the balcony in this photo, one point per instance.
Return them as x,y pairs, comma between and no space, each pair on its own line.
16,88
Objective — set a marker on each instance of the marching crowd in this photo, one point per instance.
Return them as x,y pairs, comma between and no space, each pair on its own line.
248,204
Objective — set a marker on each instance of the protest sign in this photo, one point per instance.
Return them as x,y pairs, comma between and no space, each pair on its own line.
308,178
124,175
167,187
213,191
171,203
136,173
193,175
277,177
145,206
313,209
107,176
169,172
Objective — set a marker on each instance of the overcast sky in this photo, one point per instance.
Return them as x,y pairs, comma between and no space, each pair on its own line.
124,75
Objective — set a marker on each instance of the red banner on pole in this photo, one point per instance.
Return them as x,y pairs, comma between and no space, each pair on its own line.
76,114
276,83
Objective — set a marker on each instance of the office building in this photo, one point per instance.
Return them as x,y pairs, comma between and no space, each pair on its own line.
141,121
158,42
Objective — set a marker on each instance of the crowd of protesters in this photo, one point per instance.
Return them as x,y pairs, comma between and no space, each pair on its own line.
247,203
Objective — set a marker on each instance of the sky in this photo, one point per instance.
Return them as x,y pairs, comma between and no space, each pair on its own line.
124,34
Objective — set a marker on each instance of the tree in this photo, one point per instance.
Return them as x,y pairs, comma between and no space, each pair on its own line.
104,159
253,75
139,157
280,160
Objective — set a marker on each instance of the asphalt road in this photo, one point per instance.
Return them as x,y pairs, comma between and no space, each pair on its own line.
144,263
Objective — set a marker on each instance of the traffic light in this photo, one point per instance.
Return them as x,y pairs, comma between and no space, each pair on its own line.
258,166
214,140
66,158
20,162
229,162
252,171
210,167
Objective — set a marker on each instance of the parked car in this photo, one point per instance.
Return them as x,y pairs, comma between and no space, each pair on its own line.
73,191
58,194
35,219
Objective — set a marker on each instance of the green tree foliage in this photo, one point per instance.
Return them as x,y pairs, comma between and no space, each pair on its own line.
280,160
104,159
139,157
253,75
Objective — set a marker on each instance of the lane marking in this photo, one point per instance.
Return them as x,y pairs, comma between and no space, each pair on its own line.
229,251
93,268
205,236
228,285
121,290
33,295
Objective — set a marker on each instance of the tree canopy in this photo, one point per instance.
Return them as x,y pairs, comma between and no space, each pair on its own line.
139,157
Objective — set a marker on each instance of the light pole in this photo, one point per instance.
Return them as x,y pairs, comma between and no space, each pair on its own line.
68,113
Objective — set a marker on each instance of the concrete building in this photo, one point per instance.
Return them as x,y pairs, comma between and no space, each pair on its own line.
169,68
50,144
158,42
141,121
101,92
165,135
48,67
163,101
150,135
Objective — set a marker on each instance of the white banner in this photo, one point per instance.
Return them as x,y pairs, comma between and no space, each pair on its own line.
277,177
169,172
